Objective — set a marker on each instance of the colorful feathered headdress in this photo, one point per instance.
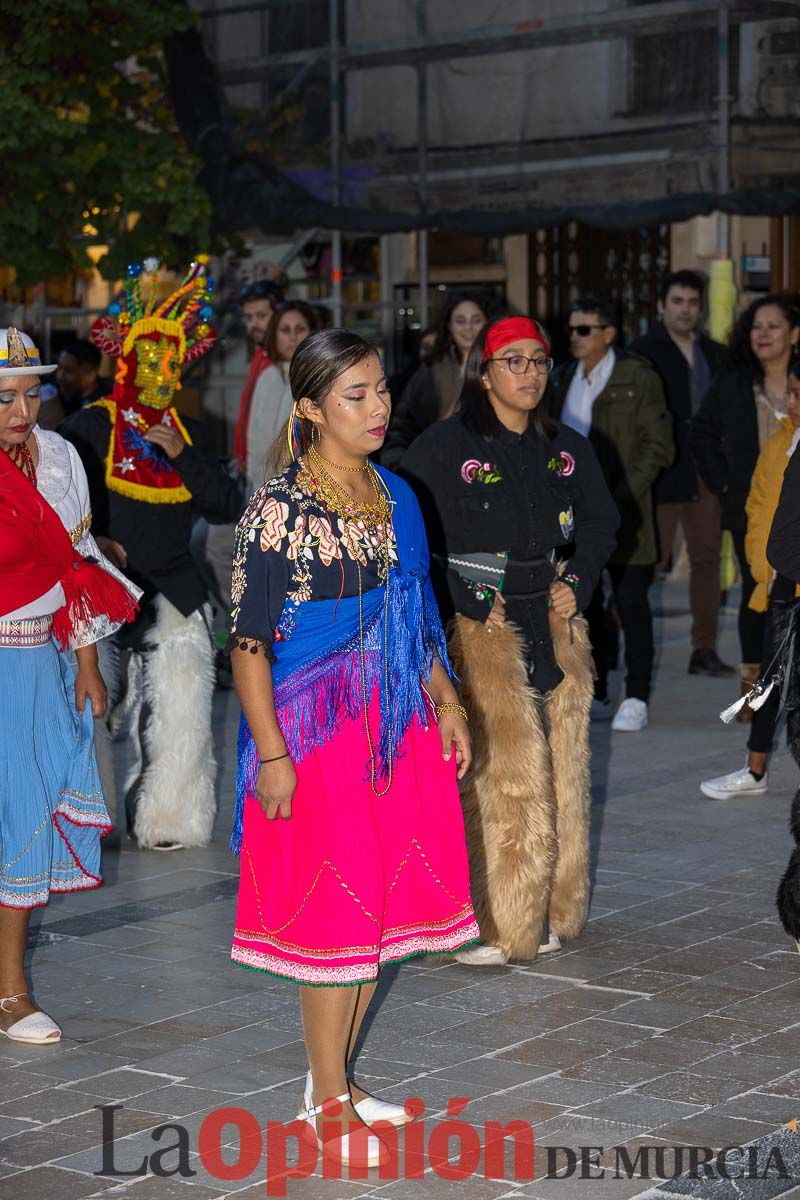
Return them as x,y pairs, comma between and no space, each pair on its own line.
181,322
152,340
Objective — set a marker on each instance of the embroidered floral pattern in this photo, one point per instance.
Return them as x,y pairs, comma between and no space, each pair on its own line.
327,545
481,591
285,517
566,520
563,465
275,514
473,471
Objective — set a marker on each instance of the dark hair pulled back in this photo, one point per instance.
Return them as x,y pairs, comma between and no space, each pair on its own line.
316,364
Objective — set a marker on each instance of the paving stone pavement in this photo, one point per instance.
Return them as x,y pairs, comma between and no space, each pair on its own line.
672,1021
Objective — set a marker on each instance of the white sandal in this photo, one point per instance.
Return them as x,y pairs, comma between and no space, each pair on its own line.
37,1028
370,1109
371,1151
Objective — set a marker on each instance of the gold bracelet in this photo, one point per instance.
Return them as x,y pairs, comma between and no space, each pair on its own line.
451,707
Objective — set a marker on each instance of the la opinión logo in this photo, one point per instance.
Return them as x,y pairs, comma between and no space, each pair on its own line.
453,1149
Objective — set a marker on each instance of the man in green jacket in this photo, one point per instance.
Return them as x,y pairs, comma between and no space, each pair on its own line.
617,401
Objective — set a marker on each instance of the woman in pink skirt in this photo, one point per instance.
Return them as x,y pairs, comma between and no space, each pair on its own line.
352,738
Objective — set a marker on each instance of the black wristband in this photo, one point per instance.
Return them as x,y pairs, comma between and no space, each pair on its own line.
277,758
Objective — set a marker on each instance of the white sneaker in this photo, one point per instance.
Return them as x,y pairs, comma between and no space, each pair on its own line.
738,783
600,710
631,716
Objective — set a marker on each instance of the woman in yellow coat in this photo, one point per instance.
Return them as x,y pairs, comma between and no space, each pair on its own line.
765,489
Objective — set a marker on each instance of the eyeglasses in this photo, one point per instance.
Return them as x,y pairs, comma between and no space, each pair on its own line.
584,330
518,364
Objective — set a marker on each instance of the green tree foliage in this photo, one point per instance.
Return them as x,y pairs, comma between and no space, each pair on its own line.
88,138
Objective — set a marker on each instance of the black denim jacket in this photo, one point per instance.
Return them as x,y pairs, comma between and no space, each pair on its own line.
538,500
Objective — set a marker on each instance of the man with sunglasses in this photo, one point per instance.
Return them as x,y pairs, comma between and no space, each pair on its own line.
617,401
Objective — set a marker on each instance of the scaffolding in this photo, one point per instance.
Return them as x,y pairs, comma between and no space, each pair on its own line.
425,48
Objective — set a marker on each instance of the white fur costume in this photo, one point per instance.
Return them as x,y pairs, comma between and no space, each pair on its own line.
172,797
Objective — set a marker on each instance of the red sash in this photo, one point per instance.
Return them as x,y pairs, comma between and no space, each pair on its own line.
259,364
36,553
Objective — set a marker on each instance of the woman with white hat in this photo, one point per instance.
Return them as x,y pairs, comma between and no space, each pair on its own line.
57,593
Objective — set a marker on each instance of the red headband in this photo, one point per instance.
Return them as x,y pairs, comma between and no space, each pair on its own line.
513,329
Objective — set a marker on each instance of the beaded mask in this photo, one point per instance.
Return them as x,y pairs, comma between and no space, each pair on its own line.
152,339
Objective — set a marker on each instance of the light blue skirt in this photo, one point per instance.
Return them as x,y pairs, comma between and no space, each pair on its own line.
52,813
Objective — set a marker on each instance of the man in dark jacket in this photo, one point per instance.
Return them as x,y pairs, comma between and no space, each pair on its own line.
616,400
686,361
78,382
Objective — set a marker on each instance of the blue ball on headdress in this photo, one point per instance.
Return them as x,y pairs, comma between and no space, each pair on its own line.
135,270
206,312
209,283
114,309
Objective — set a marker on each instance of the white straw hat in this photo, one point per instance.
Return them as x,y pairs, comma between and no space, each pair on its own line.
18,355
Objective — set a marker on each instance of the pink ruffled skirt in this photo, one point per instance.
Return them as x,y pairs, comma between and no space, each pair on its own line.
353,880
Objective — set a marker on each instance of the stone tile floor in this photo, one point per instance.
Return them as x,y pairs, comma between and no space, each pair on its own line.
673,1021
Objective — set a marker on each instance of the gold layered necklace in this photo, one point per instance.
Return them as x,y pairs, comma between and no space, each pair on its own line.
330,463
377,516
335,498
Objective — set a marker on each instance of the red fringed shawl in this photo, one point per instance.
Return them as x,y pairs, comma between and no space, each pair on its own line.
36,553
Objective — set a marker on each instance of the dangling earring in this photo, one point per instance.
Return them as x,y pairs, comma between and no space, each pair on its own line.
315,439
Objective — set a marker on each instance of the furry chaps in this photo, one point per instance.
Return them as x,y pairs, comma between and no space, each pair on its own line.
174,797
526,800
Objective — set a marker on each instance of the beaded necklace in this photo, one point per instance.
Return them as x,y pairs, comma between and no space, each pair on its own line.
21,456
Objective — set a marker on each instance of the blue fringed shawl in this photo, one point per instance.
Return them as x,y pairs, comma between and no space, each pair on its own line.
317,675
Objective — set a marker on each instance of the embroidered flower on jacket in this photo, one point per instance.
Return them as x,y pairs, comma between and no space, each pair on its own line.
563,466
473,471
566,520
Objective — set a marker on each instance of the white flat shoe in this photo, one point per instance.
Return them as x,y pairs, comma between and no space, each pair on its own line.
370,1109
368,1151
482,956
37,1028
551,945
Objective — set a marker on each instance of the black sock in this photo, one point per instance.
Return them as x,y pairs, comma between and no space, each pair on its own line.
757,775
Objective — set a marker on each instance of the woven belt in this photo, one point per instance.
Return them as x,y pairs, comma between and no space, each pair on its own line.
31,631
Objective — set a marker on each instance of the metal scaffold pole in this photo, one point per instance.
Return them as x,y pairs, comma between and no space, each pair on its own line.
722,286
336,162
422,169
724,123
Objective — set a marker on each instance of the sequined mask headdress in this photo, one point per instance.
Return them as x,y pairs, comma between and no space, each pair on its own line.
152,339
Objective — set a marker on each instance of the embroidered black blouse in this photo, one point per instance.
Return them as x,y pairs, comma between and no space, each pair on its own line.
289,550
537,500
